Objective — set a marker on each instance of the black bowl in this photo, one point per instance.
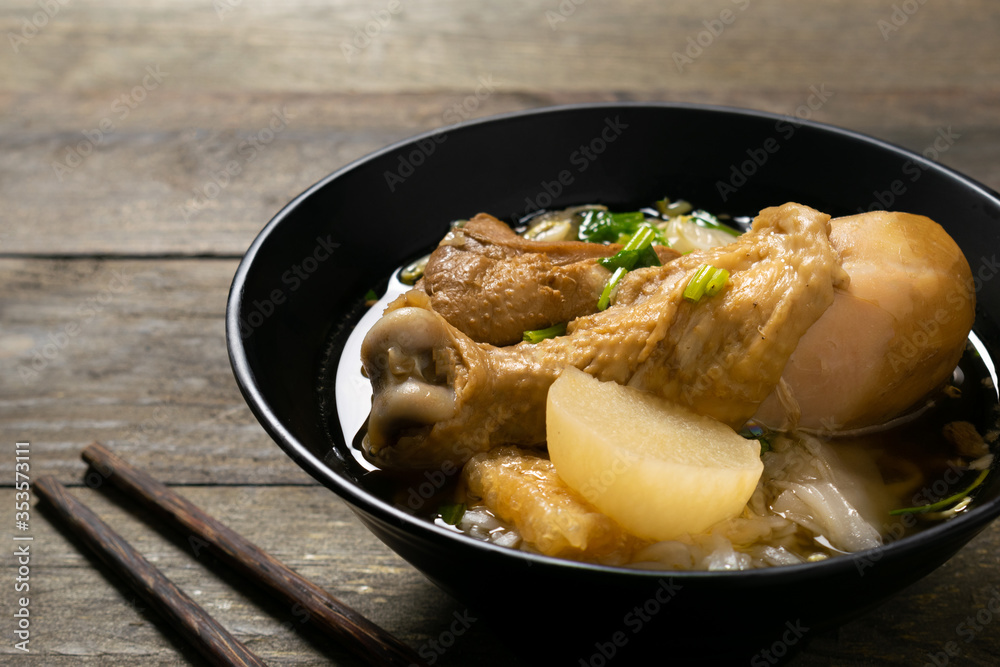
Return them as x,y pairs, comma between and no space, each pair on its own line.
298,291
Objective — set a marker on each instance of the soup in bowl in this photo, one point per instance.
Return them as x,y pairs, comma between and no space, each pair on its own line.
296,349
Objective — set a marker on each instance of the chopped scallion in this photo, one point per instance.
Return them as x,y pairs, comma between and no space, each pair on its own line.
630,219
945,503
600,226
715,284
637,252
537,335
706,281
597,226
452,513
696,286
609,288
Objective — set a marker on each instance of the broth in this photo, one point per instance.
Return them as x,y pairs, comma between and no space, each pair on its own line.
910,464
916,464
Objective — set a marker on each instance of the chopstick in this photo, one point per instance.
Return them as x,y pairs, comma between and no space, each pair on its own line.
193,622
363,637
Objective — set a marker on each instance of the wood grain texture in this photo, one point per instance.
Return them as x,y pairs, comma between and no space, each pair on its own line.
163,187
154,145
113,286
239,45
358,634
84,618
132,353
204,633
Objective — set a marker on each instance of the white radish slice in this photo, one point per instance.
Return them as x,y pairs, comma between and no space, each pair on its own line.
657,468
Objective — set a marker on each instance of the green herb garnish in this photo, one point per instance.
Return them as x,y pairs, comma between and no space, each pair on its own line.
718,280
706,281
943,504
599,226
609,287
537,335
709,221
637,253
451,513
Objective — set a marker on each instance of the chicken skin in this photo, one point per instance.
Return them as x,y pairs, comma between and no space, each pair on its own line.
440,396
892,337
493,285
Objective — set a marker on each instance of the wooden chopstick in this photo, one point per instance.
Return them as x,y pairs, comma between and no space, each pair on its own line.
193,622
366,639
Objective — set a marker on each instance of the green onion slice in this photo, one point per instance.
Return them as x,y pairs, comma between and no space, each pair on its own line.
626,220
943,504
609,288
696,286
706,281
452,513
600,226
718,280
537,335
638,252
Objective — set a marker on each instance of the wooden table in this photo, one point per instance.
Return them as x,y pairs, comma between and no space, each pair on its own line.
144,144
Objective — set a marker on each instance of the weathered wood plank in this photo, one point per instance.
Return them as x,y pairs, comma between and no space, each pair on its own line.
161,185
81,612
131,353
539,45
176,87
82,615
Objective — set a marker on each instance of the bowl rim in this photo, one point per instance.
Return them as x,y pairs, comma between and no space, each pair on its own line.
962,527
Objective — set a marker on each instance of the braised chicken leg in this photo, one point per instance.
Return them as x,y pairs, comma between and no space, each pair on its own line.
493,284
440,396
